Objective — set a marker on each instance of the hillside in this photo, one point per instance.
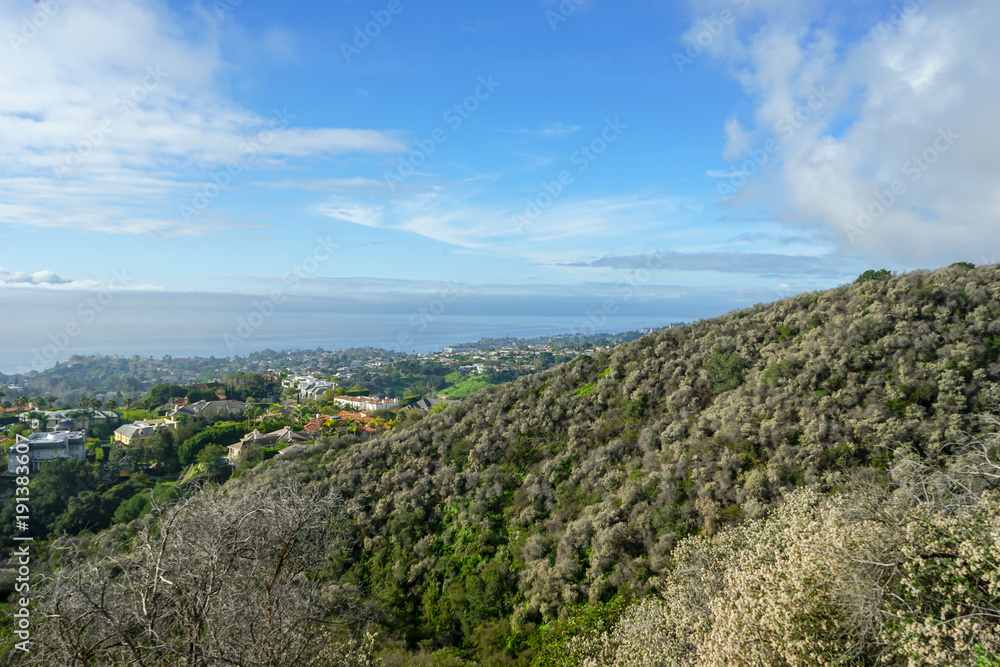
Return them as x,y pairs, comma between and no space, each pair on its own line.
476,526
567,486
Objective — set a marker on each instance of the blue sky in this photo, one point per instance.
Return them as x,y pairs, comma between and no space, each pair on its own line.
647,161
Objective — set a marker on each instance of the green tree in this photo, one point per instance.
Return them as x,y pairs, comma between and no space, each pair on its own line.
871,274
221,433
84,511
132,508
161,393
725,370
194,395
212,453
52,488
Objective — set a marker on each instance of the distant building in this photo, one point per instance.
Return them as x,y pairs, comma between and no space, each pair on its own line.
140,431
426,404
308,386
317,423
208,408
73,420
287,435
367,403
40,447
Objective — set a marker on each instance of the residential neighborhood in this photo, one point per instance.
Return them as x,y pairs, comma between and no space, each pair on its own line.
160,415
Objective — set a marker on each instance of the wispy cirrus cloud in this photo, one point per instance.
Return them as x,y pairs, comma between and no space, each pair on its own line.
568,230
554,130
323,184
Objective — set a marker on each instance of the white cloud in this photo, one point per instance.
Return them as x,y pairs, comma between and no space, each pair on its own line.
323,184
554,130
912,104
50,280
113,101
36,278
565,231
357,214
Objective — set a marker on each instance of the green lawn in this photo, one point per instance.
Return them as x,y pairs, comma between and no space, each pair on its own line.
465,387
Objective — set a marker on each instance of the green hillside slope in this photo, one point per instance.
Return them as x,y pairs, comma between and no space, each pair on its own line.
574,484
476,526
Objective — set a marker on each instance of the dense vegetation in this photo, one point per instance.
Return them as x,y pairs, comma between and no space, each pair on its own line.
488,531
378,371
900,573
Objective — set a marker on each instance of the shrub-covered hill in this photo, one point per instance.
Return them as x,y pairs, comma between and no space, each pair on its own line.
477,525
571,485
567,486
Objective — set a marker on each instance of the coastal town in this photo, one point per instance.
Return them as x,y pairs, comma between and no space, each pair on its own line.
150,416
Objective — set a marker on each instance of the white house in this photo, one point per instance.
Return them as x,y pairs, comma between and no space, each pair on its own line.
367,403
38,447
308,386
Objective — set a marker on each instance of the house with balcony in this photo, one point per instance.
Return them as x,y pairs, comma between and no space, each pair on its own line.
40,447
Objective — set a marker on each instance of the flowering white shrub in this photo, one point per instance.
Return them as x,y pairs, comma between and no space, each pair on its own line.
901,574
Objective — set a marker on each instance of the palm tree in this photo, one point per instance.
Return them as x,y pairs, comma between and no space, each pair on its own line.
39,402
253,411
111,404
128,406
40,417
88,403
21,402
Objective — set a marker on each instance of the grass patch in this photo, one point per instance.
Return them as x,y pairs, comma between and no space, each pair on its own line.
466,387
